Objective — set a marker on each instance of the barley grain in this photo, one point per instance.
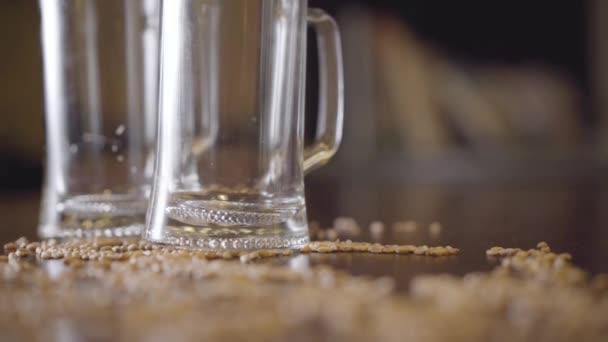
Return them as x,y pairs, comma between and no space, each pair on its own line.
10,247
22,242
106,242
407,249
375,248
33,246
23,252
421,250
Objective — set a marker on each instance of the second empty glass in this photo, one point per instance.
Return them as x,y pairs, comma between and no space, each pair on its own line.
100,76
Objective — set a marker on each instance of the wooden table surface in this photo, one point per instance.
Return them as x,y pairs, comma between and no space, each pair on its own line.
570,216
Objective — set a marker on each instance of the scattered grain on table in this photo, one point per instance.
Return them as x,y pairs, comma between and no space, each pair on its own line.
531,295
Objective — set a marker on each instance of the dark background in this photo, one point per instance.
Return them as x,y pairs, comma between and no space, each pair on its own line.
554,34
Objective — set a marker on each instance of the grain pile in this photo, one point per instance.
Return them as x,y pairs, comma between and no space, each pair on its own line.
376,248
129,290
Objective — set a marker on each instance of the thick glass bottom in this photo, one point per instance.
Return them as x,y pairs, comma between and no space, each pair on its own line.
289,233
198,241
91,227
221,221
134,230
90,216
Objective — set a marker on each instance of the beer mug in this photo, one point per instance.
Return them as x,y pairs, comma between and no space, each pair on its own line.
230,164
101,61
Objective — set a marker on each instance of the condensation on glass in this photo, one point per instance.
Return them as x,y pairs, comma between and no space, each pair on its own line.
101,62
231,157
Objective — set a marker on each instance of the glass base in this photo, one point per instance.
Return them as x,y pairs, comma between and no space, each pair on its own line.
236,223
197,241
90,216
97,205
133,230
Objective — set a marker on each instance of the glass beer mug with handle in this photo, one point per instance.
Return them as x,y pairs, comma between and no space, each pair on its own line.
100,81
231,158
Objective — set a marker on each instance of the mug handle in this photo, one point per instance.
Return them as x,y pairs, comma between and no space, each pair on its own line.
331,91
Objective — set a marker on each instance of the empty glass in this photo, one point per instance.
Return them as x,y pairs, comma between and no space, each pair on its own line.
100,81
231,156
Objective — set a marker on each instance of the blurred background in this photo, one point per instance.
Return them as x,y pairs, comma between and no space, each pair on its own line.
477,114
